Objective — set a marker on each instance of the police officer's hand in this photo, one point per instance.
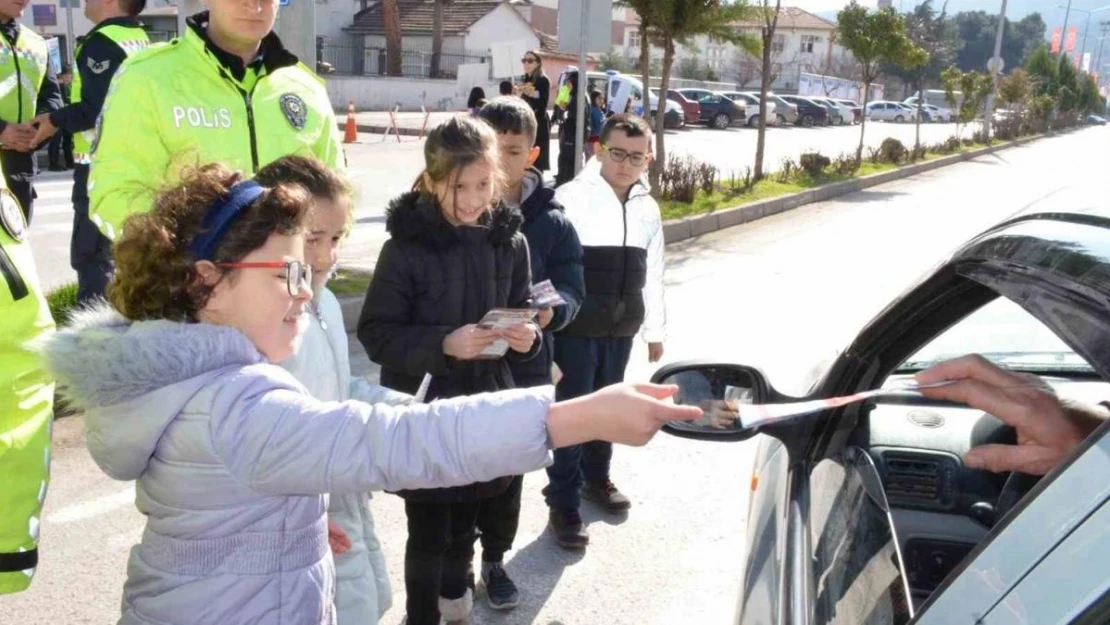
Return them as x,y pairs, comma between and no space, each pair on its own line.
46,129
1048,428
18,137
467,342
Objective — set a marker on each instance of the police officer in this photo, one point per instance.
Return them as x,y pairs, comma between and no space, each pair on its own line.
117,35
26,402
28,86
226,91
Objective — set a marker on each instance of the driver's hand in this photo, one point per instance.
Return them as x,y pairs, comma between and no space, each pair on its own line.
719,414
1047,428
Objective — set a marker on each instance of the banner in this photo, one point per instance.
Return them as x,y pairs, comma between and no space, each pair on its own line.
1056,36
1086,62
1075,59
1073,36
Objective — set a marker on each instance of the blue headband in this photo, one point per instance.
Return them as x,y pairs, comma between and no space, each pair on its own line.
220,215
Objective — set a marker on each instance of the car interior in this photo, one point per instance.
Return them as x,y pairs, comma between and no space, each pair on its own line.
942,509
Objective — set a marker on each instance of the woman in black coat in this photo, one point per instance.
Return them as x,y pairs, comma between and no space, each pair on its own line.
453,254
536,92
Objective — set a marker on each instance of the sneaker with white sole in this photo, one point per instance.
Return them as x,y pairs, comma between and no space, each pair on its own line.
501,592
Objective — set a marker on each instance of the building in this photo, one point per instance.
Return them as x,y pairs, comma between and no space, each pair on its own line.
803,42
49,19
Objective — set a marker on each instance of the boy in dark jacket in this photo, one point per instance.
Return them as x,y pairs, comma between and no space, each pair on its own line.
556,255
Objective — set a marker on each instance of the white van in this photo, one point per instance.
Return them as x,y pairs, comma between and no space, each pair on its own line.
618,88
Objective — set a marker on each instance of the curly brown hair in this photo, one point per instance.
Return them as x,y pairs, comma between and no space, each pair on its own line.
156,275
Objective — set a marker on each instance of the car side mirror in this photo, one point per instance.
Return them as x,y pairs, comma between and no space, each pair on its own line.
717,389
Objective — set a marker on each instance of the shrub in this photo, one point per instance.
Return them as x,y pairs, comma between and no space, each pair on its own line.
873,155
918,153
787,171
62,301
679,179
845,164
737,183
892,151
814,163
707,178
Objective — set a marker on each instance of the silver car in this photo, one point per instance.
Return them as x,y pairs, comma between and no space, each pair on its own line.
888,111
866,513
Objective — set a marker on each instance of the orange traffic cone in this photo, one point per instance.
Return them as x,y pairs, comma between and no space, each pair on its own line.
352,129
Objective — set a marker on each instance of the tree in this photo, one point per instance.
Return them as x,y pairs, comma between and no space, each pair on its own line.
936,35
437,38
674,22
1044,80
978,29
974,86
770,22
1014,90
691,68
611,60
1090,102
1067,81
391,16
875,37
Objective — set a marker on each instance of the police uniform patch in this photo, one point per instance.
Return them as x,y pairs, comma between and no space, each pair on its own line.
11,216
295,110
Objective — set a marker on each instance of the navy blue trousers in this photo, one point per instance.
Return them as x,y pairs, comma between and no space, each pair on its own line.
587,364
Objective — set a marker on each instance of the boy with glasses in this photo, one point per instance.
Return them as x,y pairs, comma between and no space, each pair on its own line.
621,232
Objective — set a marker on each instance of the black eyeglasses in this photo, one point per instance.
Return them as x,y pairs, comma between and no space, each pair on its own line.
528,60
619,156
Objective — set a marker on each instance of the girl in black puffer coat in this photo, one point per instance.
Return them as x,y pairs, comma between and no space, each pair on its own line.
455,252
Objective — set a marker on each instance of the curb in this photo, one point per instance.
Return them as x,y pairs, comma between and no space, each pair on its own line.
676,230
378,130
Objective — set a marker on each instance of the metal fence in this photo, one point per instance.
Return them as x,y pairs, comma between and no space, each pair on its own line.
351,56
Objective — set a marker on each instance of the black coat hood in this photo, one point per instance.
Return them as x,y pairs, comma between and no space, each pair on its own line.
414,217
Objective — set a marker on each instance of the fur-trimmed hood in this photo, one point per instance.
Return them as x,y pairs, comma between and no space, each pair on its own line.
133,378
414,217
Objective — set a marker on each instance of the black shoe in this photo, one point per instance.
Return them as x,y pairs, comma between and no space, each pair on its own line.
501,592
570,532
55,167
606,495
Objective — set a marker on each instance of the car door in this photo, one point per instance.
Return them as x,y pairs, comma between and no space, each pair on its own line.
1058,271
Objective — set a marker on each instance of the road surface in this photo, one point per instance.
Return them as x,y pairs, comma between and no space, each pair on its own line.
779,293
381,170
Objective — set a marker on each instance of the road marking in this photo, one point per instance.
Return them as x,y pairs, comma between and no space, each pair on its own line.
93,508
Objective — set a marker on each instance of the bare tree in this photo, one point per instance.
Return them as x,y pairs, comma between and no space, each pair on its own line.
392,18
749,69
769,22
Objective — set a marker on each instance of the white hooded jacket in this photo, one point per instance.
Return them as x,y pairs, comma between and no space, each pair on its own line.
363,593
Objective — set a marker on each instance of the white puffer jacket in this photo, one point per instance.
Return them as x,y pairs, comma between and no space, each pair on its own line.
363,593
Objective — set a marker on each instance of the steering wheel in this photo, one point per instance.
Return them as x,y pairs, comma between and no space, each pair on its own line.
1016,487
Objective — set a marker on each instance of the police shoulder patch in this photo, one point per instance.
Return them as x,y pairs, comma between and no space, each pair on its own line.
295,110
11,216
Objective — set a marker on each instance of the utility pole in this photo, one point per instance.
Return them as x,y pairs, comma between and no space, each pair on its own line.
186,9
996,62
296,26
70,39
1064,31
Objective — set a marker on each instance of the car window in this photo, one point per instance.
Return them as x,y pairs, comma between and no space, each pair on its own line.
857,568
1007,335
614,87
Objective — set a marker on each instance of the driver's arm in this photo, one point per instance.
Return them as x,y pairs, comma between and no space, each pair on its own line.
1048,428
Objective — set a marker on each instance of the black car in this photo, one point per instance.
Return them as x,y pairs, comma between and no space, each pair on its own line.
716,110
810,113
866,512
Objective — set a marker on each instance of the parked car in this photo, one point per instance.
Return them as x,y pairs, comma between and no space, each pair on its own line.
936,114
857,110
888,111
716,110
751,107
690,108
866,513
1096,120
839,114
786,112
809,112
612,83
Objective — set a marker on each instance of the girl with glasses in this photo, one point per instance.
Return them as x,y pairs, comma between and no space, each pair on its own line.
231,456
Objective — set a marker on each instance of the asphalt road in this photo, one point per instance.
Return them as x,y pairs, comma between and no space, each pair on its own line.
780,293
382,169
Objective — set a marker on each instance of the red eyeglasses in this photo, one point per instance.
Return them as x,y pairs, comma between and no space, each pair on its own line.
296,273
